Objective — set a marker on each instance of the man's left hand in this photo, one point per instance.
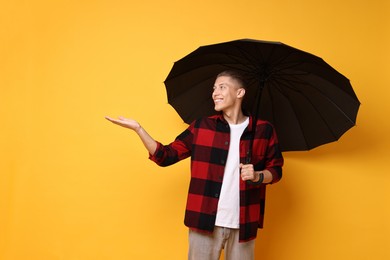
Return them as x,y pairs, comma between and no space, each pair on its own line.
248,173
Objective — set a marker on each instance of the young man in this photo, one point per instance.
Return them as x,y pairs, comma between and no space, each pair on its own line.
225,203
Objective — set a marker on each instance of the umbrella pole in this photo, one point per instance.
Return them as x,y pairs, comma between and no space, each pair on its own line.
254,120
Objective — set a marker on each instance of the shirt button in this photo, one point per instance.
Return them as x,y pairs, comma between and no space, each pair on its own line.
216,195
226,143
222,161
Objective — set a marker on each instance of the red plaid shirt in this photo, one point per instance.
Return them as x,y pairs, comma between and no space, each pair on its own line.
207,142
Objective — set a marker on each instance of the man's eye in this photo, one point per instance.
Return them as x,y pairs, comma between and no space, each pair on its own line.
219,87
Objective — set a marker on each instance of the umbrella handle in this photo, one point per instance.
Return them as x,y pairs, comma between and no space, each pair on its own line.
259,91
248,160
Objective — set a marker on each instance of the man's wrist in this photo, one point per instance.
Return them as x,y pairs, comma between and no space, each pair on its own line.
138,129
259,177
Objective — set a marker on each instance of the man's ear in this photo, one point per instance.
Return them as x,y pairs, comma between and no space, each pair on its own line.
241,93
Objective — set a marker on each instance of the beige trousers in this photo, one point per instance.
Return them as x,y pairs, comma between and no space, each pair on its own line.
203,246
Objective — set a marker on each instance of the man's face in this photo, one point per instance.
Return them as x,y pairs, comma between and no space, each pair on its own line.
227,94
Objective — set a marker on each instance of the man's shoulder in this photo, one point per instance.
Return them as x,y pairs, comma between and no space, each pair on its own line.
264,126
214,117
211,118
207,122
263,122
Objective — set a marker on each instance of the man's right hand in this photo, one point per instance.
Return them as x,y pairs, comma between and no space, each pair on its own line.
125,122
148,141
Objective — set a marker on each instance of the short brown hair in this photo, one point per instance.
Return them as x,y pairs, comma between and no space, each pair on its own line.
236,75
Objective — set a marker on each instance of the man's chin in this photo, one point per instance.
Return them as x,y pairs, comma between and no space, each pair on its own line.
218,109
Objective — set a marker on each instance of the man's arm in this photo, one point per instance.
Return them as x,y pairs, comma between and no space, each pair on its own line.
272,172
149,143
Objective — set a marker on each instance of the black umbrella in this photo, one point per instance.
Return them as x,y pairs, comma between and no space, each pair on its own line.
308,102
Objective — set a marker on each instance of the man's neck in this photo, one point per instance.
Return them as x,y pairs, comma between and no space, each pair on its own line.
234,117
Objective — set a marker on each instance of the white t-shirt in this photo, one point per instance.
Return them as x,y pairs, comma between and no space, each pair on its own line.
228,213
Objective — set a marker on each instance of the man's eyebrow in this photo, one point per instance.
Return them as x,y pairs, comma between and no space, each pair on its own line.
221,84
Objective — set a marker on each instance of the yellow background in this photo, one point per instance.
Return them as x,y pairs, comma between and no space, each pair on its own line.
75,187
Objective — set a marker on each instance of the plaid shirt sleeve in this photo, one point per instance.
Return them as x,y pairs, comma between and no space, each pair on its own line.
179,149
273,159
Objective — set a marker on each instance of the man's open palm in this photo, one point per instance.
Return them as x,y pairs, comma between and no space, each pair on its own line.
125,122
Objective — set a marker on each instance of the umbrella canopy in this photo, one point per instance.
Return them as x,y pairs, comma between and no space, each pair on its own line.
308,102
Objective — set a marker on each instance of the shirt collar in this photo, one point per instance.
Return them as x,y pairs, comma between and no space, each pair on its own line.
220,118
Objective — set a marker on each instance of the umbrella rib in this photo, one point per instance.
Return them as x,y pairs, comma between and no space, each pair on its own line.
298,71
296,116
315,108
327,98
230,65
191,115
199,67
213,76
200,82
